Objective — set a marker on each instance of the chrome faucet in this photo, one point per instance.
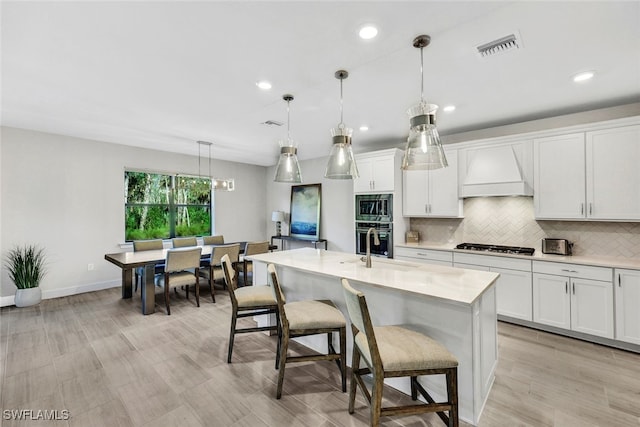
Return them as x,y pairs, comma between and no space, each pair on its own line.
376,241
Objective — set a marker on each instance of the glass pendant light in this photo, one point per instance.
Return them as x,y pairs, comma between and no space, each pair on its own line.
217,184
341,163
288,169
424,149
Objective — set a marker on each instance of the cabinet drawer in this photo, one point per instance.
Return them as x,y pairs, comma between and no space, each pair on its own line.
573,270
424,254
493,261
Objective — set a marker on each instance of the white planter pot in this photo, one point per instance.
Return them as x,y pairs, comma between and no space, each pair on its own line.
27,297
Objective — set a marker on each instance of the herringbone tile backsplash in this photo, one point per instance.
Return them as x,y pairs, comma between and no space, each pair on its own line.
510,221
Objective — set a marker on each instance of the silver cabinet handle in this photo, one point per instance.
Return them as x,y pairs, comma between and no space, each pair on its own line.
581,208
619,280
566,287
573,285
590,208
426,208
421,254
569,271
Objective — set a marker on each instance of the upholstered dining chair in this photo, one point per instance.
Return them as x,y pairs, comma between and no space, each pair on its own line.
147,245
214,264
183,242
304,318
395,351
248,301
245,266
181,269
213,240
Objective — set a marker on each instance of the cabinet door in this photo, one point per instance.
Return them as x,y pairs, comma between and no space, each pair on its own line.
514,294
382,171
592,307
551,300
414,193
364,183
627,294
613,174
559,177
443,189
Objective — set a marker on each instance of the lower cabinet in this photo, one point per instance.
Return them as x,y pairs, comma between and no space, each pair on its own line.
627,297
576,303
513,287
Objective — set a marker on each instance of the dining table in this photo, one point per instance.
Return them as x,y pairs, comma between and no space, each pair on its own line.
147,260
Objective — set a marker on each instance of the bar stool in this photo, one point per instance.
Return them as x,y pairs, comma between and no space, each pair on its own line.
394,351
303,318
248,301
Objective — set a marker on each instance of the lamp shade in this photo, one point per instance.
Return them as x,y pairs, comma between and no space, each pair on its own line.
341,164
288,168
424,149
277,216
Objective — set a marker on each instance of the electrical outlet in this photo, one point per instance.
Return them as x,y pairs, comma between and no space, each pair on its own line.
90,267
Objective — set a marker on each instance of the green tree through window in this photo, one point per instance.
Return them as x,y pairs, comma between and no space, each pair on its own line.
166,206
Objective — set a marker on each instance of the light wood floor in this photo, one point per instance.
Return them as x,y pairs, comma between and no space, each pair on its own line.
96,356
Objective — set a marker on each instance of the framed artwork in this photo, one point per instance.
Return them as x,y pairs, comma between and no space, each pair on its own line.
305,211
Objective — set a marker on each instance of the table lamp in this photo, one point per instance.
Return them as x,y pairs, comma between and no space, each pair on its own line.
277,217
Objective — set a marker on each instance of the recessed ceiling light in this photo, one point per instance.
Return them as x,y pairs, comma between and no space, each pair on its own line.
449,108
368,32
263,84
583,77
364,128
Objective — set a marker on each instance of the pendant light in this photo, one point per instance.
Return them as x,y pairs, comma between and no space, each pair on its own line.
218,184
288,169
341,163
424,149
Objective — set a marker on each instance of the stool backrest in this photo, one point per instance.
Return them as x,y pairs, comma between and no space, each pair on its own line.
213,240
230,278
361,325
183,259
183,242
147,245
233,251
272,278
253,248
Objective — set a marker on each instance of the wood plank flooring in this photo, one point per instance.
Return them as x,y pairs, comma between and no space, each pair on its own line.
96,356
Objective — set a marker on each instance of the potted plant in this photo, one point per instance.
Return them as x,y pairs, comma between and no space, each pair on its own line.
26,265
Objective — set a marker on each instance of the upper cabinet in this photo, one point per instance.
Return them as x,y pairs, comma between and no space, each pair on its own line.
433,193
588,175
379,171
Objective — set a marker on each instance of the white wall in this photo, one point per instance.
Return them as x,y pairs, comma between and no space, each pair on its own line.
67,195
336,208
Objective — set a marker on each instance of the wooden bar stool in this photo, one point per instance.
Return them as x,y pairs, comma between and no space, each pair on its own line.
394,351
248,301
303,318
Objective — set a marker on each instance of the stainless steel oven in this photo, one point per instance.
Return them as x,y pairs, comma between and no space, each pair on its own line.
374,207
385,234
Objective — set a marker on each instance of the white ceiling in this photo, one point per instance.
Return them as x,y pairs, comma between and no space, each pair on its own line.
163,75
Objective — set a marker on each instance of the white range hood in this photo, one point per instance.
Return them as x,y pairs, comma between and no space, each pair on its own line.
502,170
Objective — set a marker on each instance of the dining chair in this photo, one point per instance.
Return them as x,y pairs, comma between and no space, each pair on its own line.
213,240
304,318
147,245
182,266
214,264
248,301
245,266
183,242
395,351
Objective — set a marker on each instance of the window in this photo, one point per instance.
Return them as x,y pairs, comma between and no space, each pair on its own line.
159,206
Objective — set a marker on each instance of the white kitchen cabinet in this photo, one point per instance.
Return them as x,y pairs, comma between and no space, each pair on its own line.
574,297
613,175
627,297
377,172
424,256
513,287
592,175
433,193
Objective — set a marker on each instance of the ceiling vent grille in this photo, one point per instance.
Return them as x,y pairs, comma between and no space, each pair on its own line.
501,45
272,123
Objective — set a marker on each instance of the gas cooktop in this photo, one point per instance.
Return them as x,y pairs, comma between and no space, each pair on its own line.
496,248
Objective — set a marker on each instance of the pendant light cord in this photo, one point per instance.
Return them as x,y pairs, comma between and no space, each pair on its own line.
341,107
209,161
421,75
288,123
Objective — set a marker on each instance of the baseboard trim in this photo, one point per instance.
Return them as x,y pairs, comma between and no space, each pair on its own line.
65,292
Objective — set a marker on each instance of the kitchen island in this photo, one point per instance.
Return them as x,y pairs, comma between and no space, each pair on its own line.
455,306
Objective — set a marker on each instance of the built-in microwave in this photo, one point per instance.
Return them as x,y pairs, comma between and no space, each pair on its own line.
374,207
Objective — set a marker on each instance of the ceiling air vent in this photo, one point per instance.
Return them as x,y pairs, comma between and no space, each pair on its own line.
501,45
272,123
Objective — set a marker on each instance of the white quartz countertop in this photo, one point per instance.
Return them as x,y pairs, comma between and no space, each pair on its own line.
456,285
598,261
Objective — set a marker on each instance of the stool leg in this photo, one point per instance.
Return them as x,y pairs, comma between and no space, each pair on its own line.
279,332
343,357
414,388
376,399
197,290
283,361
355,365
232,333
452,392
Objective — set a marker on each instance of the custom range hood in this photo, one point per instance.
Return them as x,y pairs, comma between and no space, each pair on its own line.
502,170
